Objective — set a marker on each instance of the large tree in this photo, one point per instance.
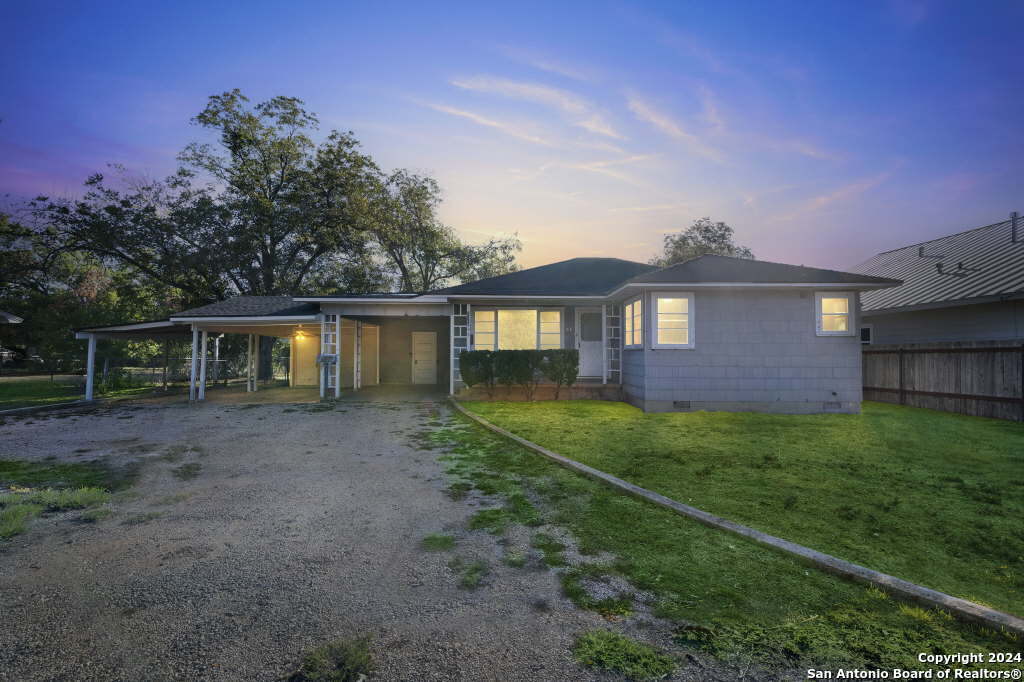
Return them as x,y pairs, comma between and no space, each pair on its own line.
701,238
423,253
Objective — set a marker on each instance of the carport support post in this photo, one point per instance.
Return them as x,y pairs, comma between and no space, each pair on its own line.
195,364
90,367
604,343
248,364
202,368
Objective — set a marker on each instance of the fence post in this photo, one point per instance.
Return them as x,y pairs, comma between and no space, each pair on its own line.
903,399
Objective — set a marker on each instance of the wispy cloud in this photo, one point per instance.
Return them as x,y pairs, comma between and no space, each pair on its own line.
576,108
607,167
843,193
507,128
653,208
646,112
545,63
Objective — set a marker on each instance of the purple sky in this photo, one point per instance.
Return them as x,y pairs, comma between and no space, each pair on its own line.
822,132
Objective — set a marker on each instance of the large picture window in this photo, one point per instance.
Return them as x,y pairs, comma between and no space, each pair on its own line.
673,320
834,313
516,329
633,323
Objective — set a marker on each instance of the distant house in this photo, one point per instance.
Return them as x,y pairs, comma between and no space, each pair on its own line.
8,318
711,333
968,286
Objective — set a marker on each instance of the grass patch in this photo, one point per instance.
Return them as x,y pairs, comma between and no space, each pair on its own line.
34,392
14,518
611,651
48,474
186,472
437,542
471,574
96,515
58,500
729,594
931,497
515,558
550,548
619,606
344,660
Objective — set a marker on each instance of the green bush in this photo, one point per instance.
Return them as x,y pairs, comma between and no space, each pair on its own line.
505,366
344,660
561,366
611,651
477,368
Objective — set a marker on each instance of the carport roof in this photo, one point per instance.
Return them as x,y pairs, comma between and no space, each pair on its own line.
251,306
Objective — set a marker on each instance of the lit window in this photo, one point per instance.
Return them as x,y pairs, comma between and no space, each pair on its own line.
484,329
834,311
673,320
550,329
517,329
633,321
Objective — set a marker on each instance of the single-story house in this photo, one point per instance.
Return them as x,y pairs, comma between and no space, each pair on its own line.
712,333
968,286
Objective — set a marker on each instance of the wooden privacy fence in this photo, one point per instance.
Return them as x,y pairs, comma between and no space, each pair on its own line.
984,379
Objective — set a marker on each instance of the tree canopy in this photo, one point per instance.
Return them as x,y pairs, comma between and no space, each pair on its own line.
701,238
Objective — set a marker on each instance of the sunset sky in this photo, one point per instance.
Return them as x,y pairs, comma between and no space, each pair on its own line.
823,132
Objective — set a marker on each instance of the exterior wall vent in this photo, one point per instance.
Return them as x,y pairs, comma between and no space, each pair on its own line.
681,404
832,405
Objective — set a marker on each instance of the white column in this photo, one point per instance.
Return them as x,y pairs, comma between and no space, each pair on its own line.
451,351
248,363
256,352
337,352
322,369
604,343
195,366
216,357
202,366
90,367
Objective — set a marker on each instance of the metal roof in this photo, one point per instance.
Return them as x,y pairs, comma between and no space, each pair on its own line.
977,264
9,318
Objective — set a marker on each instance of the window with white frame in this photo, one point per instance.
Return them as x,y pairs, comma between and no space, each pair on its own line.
516,328
633,324
673,320
834,313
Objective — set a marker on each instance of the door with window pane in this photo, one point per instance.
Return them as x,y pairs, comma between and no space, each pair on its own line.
588,341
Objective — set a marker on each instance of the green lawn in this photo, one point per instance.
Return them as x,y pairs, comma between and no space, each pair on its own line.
19,392
736,600
25,392
931,497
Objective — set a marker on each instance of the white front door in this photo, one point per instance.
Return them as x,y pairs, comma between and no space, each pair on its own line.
424,357
588,341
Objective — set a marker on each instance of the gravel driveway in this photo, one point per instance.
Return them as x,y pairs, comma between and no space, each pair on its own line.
256,532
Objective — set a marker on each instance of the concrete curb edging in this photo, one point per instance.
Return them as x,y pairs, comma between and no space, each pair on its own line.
963,609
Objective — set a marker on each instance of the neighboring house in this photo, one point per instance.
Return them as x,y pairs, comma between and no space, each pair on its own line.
713,333
8,318
968,286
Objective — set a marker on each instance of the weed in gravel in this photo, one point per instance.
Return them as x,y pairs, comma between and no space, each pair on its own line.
492,520
470,574
170,499
186,472
41,474
13,518
550,547
97,514
437,542
138,519
343,660
609,650
612,606
58,500
515,558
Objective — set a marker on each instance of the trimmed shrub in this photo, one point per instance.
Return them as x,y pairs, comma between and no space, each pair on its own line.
561,366
477,368
505,367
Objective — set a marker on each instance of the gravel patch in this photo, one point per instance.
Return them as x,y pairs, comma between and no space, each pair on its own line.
293,526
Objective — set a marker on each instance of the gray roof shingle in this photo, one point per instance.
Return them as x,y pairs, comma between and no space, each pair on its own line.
574,277
978,263
252,306
724,269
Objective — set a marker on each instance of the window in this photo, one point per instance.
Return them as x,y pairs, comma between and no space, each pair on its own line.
633,323
516,329
484,329
834,313
866,333
673,320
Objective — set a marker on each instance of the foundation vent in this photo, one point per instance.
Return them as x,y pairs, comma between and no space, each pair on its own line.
681,404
